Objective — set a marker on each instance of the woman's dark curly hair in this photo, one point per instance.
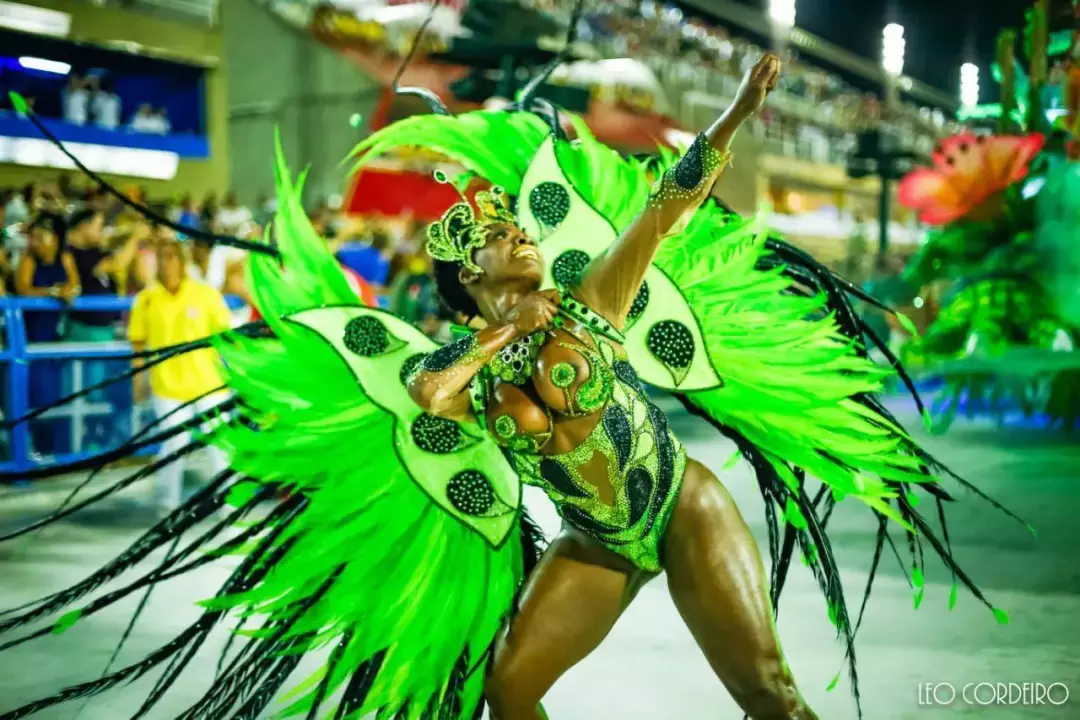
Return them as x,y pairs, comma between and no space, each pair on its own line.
453,294
53,223
447,281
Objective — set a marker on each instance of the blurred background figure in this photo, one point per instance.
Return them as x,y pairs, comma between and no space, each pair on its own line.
46,270
7,241
76,100
162,126
105,106
98,274
208,211
413,296
184,213
17,209
146,120
174,310
100,265
231,217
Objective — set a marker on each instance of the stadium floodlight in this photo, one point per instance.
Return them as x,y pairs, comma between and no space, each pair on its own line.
969,85
892,49
782,12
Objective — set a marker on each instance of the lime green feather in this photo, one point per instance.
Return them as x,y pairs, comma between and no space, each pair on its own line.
788,370
495,145
412,581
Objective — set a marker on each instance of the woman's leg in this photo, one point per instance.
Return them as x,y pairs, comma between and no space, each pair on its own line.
573,599
719,585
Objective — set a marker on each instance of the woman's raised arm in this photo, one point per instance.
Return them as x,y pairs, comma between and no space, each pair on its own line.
611,281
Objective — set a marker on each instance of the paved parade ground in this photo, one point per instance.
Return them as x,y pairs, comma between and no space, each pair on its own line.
649,668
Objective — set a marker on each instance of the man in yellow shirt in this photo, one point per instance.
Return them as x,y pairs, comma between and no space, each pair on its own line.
175,310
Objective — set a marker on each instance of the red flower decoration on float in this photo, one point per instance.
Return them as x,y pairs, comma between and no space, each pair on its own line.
968,172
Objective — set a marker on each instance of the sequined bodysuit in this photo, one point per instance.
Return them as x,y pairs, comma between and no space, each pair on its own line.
630,442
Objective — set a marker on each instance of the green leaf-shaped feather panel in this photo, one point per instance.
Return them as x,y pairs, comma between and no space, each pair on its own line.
459,467
663,337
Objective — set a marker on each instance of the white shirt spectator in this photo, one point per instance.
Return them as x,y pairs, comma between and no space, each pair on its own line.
221,258
232,218
162,124
16,210
148,121
105,107
143,121
76,105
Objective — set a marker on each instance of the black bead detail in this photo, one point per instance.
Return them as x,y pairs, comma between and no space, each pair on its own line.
568,267
617,427
409,366
590,525
665,464
639,486
435,434
550,203
447,355
625,372
641,301
366,336
672,343
470,493
690,170
555,473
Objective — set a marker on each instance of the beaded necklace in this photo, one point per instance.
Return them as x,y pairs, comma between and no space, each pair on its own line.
515,362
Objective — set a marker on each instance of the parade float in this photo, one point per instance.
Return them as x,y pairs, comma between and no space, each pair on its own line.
1002,201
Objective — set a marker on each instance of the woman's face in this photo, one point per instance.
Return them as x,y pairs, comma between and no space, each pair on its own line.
43,242
509,255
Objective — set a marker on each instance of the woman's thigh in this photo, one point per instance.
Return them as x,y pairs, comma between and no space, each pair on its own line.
571,602
719,584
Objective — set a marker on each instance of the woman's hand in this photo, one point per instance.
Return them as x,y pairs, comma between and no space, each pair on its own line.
758,82
68,293
536,312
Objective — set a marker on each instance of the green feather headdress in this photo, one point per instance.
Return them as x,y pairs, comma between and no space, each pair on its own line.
461,230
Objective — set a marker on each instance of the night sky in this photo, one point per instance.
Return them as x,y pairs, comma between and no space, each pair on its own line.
941,34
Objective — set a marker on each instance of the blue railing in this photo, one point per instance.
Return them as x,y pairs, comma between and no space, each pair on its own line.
17,359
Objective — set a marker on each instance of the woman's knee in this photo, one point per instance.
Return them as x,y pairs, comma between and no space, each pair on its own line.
770,693
508,693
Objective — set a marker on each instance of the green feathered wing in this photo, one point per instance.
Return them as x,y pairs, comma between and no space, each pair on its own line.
405,555
776,355
761,363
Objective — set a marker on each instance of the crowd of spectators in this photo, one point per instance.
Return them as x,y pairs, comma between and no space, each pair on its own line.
815,113
62,239
90,100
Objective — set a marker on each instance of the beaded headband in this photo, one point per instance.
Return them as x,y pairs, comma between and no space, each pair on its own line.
460,230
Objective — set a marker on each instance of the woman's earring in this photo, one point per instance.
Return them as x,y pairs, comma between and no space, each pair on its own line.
469,275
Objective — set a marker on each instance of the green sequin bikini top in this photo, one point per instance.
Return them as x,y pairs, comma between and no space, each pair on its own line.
644,461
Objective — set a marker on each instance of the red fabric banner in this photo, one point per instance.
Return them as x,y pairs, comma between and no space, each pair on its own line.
390,193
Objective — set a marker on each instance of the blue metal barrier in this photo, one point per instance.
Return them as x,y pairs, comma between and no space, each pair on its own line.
17,355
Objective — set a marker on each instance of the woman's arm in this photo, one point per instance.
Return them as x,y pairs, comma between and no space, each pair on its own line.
441,384
24,278
71,287
611,281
